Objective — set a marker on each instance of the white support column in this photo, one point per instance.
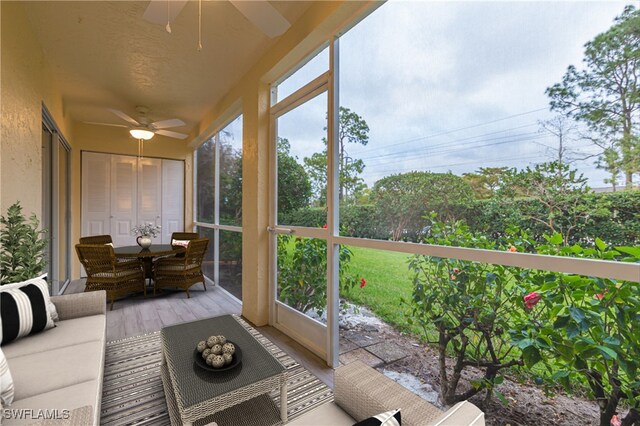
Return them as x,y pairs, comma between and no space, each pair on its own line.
333,209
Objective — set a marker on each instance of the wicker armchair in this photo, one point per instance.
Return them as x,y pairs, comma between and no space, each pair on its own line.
105,272
97,239
182,236
182,272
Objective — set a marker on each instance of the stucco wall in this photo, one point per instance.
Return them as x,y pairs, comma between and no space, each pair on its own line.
25,84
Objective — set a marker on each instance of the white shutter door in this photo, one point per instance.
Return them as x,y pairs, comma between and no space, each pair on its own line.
173,198
96,196
150,192
123,199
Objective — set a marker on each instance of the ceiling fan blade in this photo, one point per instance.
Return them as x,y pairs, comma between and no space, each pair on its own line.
105,124
165,124
171,134
264,16
124,116
157,12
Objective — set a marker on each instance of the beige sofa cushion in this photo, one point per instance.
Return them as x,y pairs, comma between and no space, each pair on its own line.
328,414
49,370
66,333
68,398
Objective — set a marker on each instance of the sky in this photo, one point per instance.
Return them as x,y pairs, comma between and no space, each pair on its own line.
452,85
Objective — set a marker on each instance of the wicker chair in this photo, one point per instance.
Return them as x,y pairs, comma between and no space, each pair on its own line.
182,272
183,236
105,272
97,239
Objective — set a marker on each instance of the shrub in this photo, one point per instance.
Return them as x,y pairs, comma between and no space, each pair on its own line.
302,273
472,307
21,246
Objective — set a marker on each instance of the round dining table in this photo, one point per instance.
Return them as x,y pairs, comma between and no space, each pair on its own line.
146,255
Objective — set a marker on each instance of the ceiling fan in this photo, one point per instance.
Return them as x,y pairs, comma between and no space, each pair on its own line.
142,128
259,12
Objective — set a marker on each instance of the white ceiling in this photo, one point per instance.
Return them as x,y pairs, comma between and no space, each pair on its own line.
104,55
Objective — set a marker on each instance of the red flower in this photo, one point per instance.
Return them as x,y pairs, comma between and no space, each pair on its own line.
324,226
600,296
616,421
363,282
531,300
456,270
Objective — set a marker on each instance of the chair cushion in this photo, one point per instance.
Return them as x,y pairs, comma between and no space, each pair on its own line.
328,414
6,381
48,370
23,309
66,333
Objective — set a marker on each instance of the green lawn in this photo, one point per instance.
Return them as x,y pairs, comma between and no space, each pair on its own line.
388,281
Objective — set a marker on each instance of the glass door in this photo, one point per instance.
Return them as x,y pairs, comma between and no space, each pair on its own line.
299,244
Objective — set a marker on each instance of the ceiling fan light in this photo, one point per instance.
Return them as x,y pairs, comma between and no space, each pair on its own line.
143,134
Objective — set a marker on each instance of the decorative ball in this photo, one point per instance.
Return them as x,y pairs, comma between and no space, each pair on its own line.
212,340
202,345
222,340
217,361
227,358
229,348
210,359
216,349
206,353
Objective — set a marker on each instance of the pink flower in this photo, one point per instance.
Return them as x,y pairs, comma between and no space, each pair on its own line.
324,226
363,282
531,300
456,270
616,421
512,249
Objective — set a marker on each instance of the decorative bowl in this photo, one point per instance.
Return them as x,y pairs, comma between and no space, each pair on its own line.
200,362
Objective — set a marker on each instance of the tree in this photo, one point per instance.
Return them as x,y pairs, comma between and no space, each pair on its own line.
562,128
294,187
485,181
557,193
352,129
22,246
606,94
402,200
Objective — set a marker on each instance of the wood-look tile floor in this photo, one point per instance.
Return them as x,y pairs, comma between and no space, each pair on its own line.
136,315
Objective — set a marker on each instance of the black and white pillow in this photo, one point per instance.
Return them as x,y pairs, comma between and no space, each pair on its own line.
41,282
6,382
389,418
25,308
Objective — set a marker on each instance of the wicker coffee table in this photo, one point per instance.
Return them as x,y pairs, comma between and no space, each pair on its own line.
193,393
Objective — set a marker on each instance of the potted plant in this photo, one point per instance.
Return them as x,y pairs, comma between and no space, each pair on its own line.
21,246
145,233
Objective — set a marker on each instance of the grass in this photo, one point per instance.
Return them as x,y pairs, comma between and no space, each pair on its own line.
388,282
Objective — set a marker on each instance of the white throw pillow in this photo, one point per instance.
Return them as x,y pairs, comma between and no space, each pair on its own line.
183,243
6,382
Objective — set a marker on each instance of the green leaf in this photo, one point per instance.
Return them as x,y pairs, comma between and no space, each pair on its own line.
633,251
531,356
607,352
611,340
602,246
501,398
560,374
561,321
576,314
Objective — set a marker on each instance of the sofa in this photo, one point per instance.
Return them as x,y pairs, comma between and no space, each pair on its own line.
58,373
361,392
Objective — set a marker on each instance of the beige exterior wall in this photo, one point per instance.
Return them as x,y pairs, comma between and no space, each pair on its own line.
25,84
116,140
319,24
